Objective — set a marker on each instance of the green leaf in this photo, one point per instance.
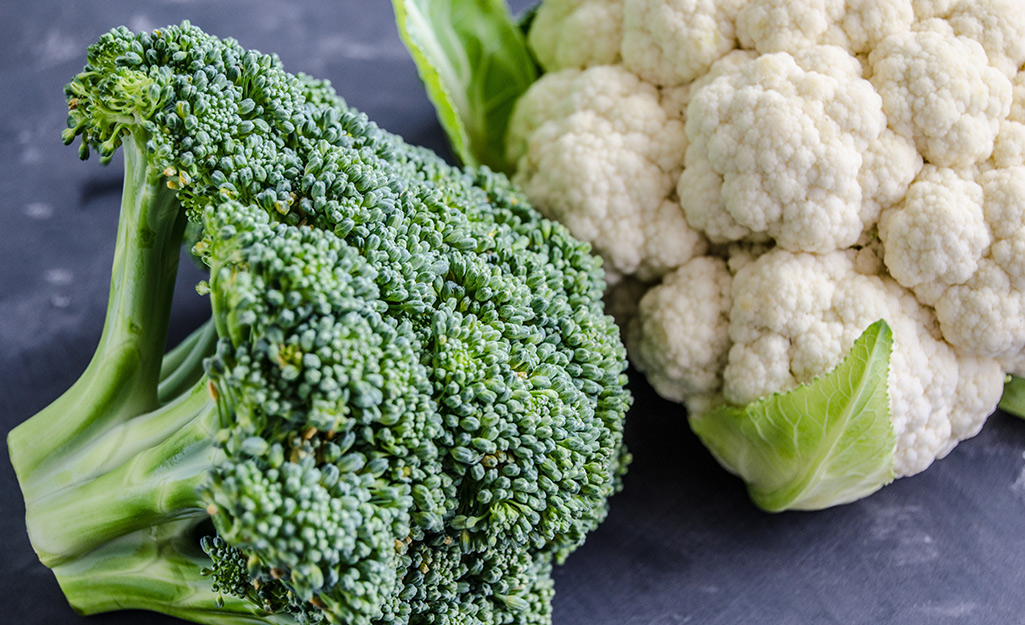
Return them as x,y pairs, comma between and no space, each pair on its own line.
1013,399
474,62
821,444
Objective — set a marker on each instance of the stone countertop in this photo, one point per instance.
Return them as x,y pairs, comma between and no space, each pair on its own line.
682,543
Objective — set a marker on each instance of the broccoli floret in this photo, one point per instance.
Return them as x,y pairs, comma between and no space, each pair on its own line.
407,404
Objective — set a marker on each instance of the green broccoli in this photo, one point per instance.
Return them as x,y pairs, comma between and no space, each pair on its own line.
407,404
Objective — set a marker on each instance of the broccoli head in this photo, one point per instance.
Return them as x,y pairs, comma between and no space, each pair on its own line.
407,404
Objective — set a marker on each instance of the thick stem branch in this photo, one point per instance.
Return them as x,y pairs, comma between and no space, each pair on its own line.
155,569
183,366
150,487
121,379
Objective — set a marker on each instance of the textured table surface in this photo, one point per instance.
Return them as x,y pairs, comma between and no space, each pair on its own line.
682,543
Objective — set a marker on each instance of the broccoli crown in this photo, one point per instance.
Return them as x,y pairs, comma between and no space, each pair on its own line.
417,397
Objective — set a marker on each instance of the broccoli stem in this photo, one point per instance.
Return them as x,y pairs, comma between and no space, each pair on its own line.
177,355
106,459
120,381
183,365
157,568
157,462
124,440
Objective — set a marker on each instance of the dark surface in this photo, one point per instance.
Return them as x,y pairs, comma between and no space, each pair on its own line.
682,543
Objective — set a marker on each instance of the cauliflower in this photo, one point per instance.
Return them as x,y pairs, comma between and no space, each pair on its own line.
958,241
784,26
845,161
812,215
670,43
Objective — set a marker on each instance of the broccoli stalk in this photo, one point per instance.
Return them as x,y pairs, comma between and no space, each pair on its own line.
407,404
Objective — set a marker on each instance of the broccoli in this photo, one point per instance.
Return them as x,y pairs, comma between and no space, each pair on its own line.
407,404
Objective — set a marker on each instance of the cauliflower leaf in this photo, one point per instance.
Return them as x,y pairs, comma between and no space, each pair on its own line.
827,442
1013,400
474,63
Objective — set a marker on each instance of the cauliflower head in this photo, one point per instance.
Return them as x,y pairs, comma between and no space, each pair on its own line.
770,178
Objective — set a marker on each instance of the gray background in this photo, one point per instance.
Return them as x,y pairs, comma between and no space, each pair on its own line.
682,543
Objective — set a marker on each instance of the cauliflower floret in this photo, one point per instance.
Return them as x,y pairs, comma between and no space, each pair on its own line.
939,90
676,99
867,22
671,42
576,33
938,233
603,158
700,192
785,25
926,9
958,240
680,336
890,164
1009,147
549,94
795,316
777,25
999,25
785,142
1017,113
986,315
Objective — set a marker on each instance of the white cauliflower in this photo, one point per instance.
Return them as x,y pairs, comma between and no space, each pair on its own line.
997,25
669,42
940,91
779,176
787,141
